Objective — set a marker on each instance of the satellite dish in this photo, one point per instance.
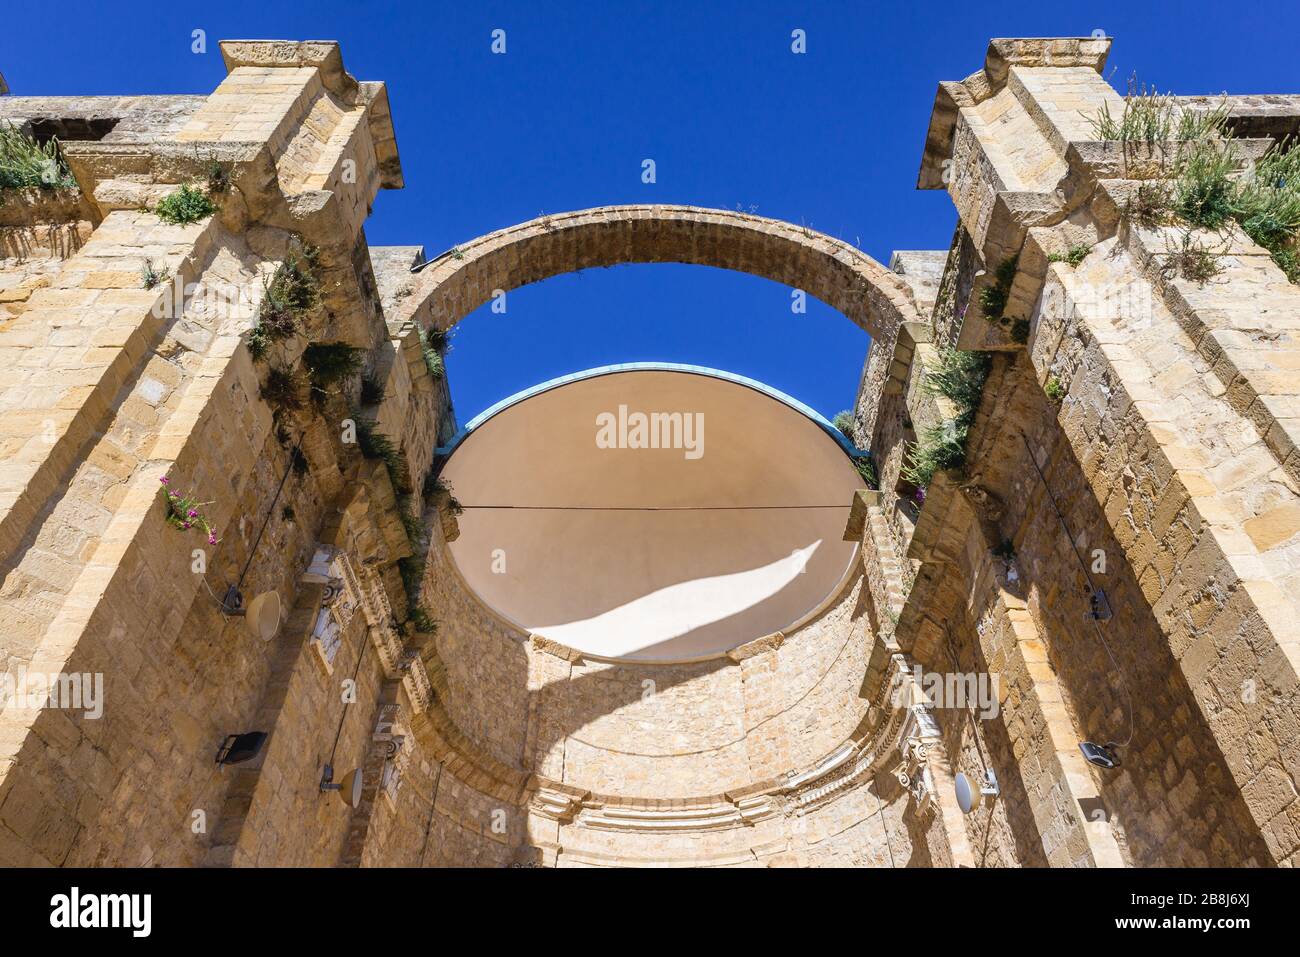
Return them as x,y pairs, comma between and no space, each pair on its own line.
968,795
348,790
263,615
971,794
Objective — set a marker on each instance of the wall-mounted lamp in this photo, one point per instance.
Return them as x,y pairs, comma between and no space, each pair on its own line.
1099,605
238,748
261,617
349,789
1101,755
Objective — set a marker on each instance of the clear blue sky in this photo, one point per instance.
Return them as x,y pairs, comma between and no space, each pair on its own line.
710,91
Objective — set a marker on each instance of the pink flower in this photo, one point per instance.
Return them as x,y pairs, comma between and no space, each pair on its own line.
164,480
212,539
186,524
193,512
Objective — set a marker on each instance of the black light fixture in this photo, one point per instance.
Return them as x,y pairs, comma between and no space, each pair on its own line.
238,748
1101,755
232,602
261,615
1099,605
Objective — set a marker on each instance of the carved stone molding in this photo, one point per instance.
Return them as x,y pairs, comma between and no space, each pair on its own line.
340,596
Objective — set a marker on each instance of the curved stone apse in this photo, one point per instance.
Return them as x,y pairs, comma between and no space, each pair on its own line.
652,514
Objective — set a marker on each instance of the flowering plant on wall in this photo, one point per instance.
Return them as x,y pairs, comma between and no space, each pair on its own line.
183,511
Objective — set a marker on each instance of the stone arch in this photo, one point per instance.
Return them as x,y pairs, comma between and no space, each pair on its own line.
452,285
543,695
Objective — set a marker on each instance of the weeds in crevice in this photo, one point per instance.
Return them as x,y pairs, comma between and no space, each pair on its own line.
376,445
1155,119
330,364
411,569
423,622
866,468
372,390
1073,256
843,422
27,164
282,389
290,293
434,344
187,205
1205,184
1267,205
958,376
994,298
219,177
1055,390
411,520
151,277
438,490
1191,260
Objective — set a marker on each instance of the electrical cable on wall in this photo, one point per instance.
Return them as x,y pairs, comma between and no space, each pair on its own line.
1083,565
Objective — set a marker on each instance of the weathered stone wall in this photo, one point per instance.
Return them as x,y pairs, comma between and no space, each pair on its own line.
1169,445
1162,412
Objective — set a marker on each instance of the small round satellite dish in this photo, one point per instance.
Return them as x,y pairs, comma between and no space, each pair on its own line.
263,615
350,788
968,793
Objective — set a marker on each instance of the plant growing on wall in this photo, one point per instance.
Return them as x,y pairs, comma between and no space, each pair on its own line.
994,298
433,345
1203,182
411,520
151,276
282,389
437,489
1073,256
330,364
293,291
27,164
376,445
959,376
183,511
844,422
187,205
867,470
1154,119
372,390
423,622
219,176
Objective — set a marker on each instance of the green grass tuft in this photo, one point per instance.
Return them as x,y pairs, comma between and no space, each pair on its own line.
187,205
282,389
27,164
959,376
843,421
376,445
1073,256
1055,390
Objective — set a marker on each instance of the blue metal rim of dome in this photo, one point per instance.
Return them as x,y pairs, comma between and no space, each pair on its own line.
851,450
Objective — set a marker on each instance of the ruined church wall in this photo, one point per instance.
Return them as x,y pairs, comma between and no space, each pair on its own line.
626,730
